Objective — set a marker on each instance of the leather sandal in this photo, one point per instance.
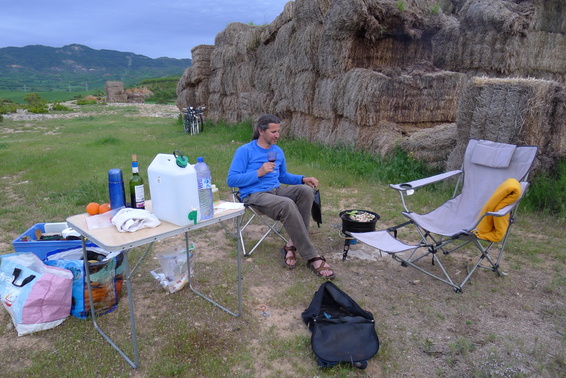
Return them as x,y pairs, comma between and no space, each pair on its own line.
286,259
320,268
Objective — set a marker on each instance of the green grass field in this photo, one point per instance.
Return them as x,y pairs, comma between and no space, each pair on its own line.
49,96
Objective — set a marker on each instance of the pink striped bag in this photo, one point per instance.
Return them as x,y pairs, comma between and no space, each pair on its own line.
37,296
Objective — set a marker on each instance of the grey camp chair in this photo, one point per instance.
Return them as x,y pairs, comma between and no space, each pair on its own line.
254,216
485,192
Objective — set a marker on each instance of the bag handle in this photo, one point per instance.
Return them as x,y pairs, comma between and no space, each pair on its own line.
16,274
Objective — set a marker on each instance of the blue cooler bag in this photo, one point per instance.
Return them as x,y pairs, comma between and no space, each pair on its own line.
106,276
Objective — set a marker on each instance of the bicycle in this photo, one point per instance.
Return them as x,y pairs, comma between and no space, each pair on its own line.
193,122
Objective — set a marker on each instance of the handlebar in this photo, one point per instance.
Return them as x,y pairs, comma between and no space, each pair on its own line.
190,109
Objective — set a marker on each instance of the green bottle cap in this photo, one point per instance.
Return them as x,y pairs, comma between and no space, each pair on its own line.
181,160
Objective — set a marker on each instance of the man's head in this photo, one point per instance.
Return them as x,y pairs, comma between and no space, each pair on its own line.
267,130
263,123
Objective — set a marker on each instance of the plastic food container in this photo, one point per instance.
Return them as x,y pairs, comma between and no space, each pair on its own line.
28,242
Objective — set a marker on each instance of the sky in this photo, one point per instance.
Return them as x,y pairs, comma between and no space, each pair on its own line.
166,28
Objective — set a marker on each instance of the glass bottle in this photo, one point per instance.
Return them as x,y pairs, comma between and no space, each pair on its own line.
137,193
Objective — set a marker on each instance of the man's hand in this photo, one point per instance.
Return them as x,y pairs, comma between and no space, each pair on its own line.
310,181
265,169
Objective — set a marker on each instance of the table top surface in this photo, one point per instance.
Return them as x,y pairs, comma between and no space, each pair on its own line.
112,240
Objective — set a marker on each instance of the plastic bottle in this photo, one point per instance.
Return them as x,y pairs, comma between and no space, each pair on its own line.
116,188
204,189
137,194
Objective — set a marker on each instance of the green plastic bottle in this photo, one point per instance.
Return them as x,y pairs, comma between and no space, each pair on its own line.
137,193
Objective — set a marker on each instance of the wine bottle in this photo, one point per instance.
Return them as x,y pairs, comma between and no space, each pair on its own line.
137,193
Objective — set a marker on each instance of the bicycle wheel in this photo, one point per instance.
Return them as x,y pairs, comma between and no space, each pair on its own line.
187,121
201,123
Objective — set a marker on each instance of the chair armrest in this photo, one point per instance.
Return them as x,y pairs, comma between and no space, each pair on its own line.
508,208
505,210
501,212
425,181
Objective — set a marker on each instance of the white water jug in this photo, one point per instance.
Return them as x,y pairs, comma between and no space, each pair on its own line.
173,189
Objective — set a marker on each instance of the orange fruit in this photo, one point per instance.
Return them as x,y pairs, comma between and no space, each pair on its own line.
104,208
92,208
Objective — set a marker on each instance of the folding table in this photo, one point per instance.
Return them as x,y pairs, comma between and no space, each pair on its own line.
112,240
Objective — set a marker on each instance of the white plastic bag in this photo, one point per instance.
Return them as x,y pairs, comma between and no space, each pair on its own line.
173,274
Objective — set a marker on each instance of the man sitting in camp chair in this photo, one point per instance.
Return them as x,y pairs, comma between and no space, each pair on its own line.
258,169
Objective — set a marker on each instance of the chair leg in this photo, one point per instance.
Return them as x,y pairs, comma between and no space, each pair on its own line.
272,227
408,262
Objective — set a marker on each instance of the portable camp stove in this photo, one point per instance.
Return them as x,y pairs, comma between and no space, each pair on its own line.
354,225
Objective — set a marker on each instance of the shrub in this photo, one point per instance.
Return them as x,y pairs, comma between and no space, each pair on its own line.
35,100
547,192
38,109
82,101
163,96
9,106
60,107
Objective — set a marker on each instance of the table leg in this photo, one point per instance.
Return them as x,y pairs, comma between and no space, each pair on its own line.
136,361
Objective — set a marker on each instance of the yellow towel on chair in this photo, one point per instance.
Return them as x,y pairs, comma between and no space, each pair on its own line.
494,228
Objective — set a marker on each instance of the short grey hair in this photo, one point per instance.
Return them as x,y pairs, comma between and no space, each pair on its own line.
263,123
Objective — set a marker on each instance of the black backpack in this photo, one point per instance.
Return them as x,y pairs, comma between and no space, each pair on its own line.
342,332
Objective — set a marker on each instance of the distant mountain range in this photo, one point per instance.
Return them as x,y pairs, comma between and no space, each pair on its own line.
75,67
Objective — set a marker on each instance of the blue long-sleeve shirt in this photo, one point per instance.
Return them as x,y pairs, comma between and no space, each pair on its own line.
245,164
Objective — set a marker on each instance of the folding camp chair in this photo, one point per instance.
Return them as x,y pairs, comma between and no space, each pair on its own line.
490,185
253,215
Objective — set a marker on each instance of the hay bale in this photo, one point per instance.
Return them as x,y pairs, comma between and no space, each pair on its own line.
550,17
302,89
325,97
333,56
369,97
135,97
115,91
248,41
230,35
308,13
200,63
381,139
516,111
389,52
244,79
506,17
215,81
305,44
434,98
504,38
184,81
214,109
432,145
259,103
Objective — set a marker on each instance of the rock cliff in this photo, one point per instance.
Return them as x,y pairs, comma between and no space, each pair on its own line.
422,74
